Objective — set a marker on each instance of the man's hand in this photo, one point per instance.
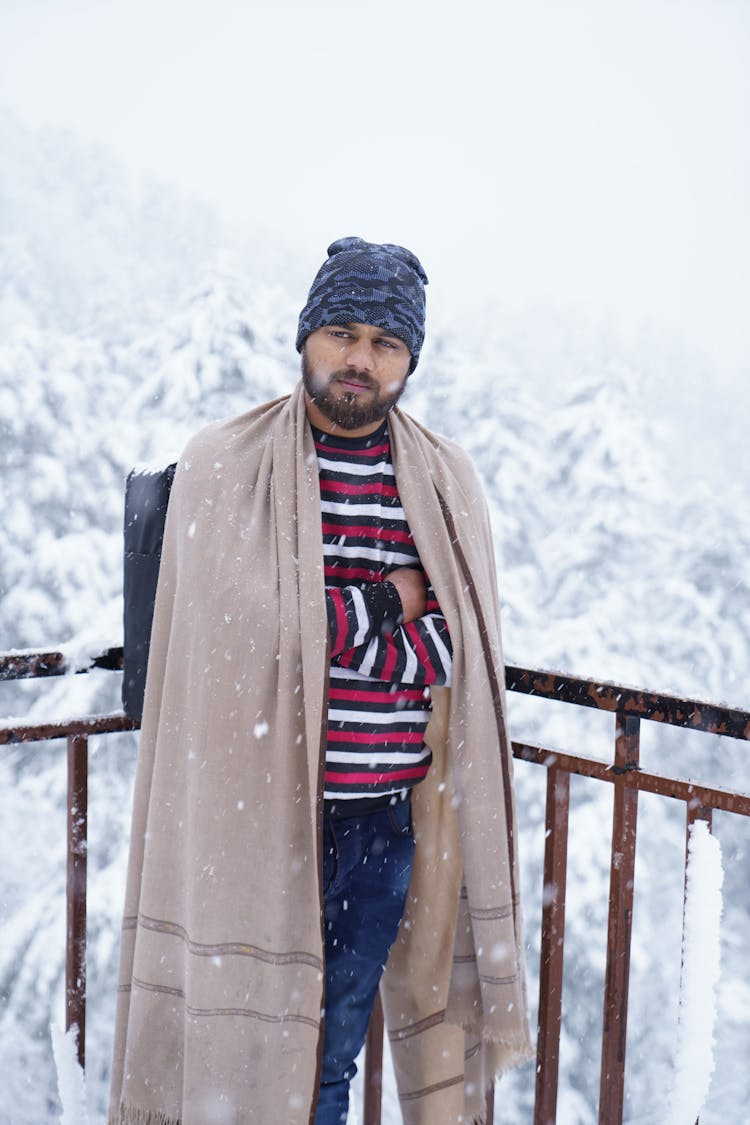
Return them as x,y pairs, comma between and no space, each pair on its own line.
412,590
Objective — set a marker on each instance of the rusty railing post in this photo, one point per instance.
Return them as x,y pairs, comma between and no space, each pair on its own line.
552,946
619,928
373,1093
75,958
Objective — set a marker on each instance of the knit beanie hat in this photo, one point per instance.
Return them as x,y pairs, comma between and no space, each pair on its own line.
368,283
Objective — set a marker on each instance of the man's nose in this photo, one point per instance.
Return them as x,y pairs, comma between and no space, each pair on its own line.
360,354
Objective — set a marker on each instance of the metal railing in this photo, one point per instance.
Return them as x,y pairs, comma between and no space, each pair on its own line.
37,665
623,772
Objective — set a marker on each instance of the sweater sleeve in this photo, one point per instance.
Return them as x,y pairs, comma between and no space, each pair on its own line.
357,614
417,653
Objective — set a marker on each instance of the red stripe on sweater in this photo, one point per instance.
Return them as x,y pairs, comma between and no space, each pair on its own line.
341,622
389,664
360,573
377,695
376,533
374,778
360,454
356,489
420,648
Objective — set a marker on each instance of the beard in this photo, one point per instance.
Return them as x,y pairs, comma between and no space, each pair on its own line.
348,409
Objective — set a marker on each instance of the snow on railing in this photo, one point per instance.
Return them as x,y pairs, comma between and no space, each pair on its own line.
700,975
71,1082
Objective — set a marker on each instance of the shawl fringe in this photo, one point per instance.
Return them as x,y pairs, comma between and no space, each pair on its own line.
522,1055
132,1115
519,1043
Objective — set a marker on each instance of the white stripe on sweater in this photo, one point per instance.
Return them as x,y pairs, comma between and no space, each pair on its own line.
444,657
352,469
375,510
389,758
376,718
363,618
337,551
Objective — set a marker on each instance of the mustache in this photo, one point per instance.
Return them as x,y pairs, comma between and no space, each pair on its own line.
359,376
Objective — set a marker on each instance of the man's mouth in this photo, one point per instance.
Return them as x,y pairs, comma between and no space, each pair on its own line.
351,384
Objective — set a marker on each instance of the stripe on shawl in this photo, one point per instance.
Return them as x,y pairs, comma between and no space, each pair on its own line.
398,1033
229,948
247,1013
483,914
434,1089
499,980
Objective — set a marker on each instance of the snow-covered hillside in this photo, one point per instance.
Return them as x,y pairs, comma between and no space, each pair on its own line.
123,328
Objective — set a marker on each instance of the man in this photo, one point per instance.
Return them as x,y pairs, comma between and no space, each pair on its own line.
308,781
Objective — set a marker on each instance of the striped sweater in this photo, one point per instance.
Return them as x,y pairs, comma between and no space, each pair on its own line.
381,670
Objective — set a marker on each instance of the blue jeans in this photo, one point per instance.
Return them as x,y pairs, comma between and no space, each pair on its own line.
367,862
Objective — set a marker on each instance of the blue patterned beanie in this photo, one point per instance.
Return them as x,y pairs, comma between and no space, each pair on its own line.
368,283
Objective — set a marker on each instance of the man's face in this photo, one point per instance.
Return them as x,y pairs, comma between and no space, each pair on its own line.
353,375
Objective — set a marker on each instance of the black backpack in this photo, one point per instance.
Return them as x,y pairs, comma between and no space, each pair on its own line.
146,500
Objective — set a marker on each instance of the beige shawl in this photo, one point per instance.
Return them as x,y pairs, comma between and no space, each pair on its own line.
221,970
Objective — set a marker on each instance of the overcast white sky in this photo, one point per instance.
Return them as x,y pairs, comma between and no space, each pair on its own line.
593,155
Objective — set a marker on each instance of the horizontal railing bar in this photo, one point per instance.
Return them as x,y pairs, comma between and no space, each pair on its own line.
681,789
660,784
678,788
695,714
40,732
28,664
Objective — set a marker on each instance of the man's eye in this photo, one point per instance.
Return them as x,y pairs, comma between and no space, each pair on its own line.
388,343
340,333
